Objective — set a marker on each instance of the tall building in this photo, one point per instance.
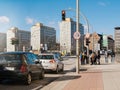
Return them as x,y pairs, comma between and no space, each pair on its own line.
2,42
67,41
42,37
22,37
117,39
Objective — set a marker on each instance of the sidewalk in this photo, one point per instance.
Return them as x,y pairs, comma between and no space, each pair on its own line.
91,77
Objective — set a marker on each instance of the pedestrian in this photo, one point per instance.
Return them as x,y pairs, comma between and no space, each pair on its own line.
83,58
98,57
112,56
93,58
106,57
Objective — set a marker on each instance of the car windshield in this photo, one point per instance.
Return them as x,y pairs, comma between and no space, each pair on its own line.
15,58
46,57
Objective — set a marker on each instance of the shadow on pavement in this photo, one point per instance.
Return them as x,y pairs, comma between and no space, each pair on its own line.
12,82
68,77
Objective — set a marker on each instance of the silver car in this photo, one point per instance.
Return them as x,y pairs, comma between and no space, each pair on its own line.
51,62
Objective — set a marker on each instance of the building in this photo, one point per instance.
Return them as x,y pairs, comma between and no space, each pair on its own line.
117,39
94,44
21,39
2,42
111,43
101,42
67,41
42,37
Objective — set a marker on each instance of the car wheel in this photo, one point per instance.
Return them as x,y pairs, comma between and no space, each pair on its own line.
28,79
62,68
1,80
42,74
57,70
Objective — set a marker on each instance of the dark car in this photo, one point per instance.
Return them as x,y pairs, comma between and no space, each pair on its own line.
20,65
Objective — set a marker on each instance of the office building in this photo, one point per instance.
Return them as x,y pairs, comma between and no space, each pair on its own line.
2,42
42,37
21,36
67,41
117,39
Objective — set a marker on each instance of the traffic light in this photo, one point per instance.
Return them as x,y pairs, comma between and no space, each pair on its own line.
14,41
87,42
63,15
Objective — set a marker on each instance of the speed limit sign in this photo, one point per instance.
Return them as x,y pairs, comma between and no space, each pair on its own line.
76,35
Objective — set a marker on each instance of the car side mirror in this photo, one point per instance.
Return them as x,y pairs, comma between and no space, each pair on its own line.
40,62
36,62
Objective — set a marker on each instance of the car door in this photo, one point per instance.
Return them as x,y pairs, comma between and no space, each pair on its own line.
60,64
31,65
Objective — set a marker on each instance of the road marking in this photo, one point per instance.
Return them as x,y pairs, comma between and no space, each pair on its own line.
37,87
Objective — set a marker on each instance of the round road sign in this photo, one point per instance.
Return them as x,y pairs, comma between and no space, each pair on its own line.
76,35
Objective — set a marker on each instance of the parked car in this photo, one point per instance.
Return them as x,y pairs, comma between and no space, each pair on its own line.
58,55
20,65
51,62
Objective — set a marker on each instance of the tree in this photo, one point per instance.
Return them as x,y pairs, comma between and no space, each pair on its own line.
14,41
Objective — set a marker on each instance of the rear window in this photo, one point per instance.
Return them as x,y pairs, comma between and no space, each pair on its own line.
46,57
14,58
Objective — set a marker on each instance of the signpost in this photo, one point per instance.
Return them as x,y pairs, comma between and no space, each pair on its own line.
76,35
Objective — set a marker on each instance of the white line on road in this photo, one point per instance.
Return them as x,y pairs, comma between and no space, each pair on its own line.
37,87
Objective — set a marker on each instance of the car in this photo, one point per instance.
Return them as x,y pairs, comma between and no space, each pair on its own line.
58,55
51,62
21,66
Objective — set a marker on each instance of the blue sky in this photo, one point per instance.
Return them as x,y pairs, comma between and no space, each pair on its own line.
103,15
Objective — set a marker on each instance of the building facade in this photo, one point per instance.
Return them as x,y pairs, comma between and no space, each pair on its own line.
67,41
2,42
22,37
117,39
42,37
101,42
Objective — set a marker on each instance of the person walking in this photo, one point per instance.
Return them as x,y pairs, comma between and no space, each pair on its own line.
93,58
98,57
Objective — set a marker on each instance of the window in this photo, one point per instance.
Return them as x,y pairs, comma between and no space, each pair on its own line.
46,57
30,58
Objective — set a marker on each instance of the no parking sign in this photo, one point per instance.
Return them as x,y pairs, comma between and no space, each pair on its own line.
76,35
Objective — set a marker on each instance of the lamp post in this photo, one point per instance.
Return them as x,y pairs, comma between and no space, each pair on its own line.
87,23
77,41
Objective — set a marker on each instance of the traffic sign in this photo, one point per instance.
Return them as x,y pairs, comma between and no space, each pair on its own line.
76,35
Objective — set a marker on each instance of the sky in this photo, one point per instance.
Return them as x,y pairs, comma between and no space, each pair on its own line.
102,15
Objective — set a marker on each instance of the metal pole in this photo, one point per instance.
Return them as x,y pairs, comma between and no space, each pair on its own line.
77,40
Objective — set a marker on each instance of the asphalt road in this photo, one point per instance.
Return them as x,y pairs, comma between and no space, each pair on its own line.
69,64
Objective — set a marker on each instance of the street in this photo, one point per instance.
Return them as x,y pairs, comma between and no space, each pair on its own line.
69,64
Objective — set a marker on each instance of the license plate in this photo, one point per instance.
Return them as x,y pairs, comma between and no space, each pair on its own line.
10,68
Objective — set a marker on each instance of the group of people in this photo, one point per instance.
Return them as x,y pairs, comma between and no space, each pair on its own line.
94,58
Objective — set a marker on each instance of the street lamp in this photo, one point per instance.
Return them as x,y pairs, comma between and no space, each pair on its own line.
83,16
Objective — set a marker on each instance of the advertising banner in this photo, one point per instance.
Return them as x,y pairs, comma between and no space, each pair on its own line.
105,40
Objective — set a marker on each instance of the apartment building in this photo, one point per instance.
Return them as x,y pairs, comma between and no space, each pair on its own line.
22,37
67,41
2,42
117,39
42,37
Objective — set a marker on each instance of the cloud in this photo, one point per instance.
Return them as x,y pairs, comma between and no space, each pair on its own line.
4,19
29,20
102,4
